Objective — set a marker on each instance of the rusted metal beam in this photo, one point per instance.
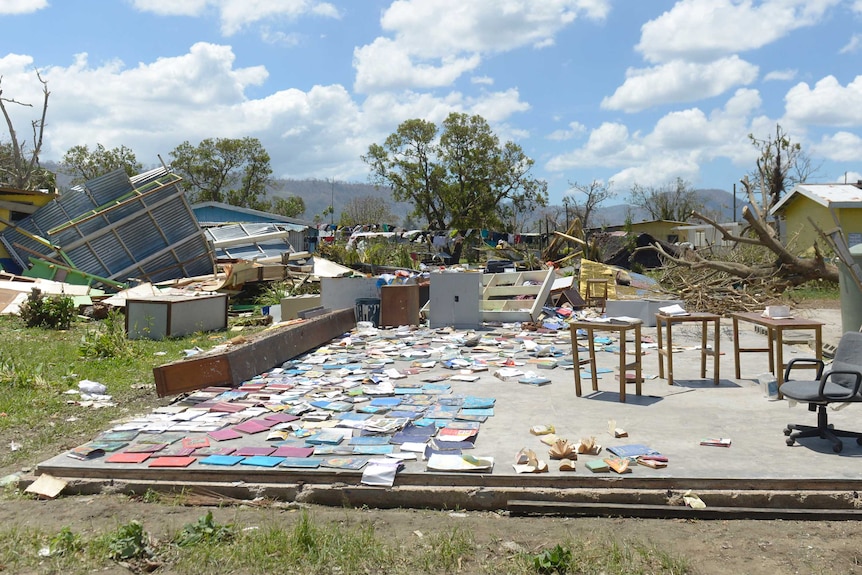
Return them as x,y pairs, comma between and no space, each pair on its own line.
242,362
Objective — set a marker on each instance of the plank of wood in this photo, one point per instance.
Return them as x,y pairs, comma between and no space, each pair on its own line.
261,353
523,507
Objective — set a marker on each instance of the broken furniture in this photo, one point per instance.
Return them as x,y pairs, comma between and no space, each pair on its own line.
597,292
162,316
775,329
665,341
620,327
840,382
515,296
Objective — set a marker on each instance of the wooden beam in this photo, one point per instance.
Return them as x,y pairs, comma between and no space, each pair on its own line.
239,363
583,509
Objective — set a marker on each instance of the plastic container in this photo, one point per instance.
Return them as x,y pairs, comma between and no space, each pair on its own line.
368,309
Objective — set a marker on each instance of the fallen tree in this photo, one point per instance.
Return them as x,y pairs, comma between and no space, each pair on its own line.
737,278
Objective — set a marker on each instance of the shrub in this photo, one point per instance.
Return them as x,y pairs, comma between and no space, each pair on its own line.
108,339
54,312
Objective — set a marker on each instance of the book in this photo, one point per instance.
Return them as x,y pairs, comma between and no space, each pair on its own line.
597,466
716,442
651,463
85,452
618,464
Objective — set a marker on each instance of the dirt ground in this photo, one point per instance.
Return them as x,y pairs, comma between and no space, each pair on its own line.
751,547
717,546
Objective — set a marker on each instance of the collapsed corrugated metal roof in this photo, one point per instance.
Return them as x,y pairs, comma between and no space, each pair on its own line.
118,228
253,241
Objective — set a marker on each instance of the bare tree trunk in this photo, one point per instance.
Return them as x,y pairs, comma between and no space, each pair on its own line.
24,173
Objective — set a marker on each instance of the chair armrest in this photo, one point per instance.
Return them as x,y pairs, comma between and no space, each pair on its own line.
806,361
852,392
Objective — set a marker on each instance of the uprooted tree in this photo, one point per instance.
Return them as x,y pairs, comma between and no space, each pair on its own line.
19,160
761,266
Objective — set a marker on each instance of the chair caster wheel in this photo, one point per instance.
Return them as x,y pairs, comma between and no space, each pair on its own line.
787,431
789,441
837,448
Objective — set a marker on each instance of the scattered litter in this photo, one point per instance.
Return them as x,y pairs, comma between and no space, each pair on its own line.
693,500
542,429
46,486
92,387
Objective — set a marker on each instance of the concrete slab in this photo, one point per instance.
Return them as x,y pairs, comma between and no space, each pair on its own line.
757,470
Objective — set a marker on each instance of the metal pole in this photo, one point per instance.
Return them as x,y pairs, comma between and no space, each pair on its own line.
332,202
734,202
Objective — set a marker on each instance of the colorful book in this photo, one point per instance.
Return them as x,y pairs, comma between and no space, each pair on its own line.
716,442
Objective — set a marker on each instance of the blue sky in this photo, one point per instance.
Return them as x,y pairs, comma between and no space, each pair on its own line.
623,92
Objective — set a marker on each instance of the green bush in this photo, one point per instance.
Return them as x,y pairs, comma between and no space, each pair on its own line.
206,530
108,339
54,312
128,542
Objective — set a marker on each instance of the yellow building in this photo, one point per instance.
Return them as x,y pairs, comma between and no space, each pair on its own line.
819,202
664,230
16,205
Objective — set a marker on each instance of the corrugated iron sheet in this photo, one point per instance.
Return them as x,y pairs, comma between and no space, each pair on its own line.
119,228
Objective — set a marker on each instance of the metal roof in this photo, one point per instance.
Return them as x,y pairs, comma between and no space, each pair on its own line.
118,228
827,195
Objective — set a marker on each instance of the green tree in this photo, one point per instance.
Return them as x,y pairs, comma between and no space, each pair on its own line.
289,207
19,160
674,201
236,171
366,210
462,179
84,165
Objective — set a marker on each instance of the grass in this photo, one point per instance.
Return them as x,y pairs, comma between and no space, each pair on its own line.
814,290
302,544
38,366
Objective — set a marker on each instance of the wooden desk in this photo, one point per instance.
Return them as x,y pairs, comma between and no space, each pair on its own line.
620,328
665,341
775,340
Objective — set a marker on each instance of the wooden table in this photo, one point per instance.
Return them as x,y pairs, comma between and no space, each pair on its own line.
622,329
775,340
665,323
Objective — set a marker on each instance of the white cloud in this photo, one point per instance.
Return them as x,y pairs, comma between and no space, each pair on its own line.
679,142
679,81
153,107
839,147
827,104
852,45
702,30
486,80
447,38
277,37
238,14
780,75
21,6
574,129
382,65
171,7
